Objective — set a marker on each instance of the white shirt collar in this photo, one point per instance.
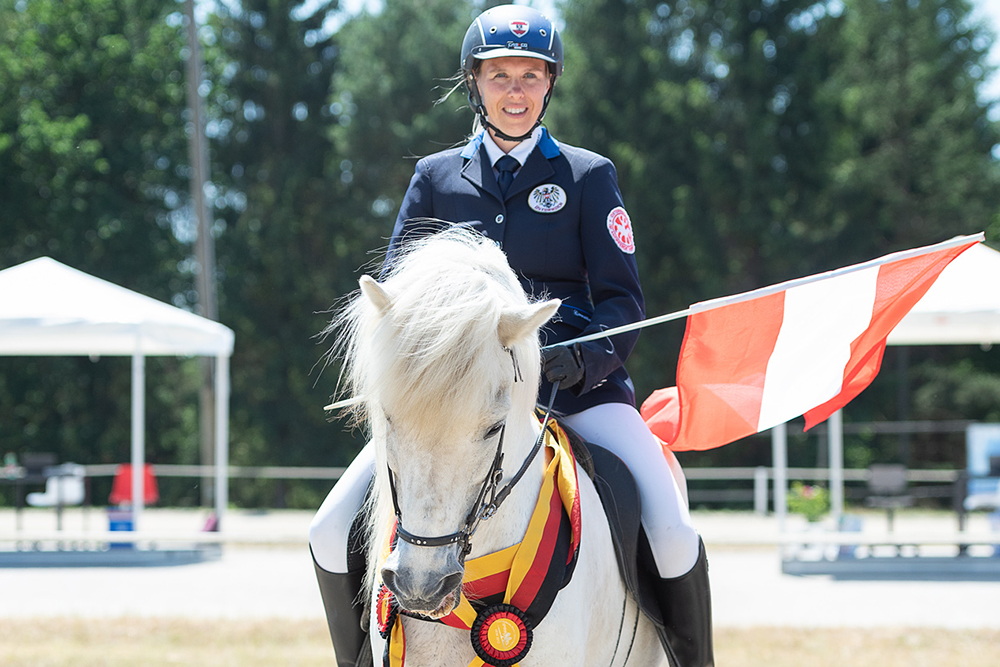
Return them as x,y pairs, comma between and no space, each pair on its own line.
519,152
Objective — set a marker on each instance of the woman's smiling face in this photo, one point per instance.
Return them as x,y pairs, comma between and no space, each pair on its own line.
513,91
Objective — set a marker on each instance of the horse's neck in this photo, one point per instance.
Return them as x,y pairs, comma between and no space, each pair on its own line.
509,524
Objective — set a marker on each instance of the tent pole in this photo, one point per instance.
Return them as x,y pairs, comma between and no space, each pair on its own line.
835,437
138,437
221,437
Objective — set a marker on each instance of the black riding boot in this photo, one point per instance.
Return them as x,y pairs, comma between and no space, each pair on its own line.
686,603
344,610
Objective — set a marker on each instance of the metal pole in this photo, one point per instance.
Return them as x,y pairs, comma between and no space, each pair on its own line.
204,245
221,438
835,436
760,491
198,155
138,437
712,304
779,449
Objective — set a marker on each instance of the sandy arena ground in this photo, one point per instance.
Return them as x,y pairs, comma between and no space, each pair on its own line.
262,581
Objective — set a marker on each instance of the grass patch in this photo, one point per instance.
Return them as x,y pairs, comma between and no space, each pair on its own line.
142,642
875,647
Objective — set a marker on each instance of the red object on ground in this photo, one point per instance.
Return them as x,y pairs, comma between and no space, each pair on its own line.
121,489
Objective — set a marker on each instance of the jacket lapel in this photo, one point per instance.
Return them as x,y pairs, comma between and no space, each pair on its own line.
536,170
479,172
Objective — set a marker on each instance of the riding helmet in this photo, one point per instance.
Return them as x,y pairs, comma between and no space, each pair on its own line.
510,30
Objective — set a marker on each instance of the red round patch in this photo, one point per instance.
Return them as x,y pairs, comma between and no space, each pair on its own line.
501,636
386,611
620,227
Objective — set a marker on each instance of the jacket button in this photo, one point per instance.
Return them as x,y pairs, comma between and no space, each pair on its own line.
500,218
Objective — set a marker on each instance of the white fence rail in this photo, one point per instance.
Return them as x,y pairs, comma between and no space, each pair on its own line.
761,476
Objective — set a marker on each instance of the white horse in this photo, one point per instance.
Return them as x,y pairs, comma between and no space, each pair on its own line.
437,350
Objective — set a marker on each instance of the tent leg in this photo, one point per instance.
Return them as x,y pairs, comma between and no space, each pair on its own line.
138,438
221,437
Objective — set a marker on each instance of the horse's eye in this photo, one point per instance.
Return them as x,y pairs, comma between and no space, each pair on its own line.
494,430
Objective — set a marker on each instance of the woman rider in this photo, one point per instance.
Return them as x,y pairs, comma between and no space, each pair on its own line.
558,214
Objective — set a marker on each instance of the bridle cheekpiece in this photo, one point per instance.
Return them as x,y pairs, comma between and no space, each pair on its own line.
490,497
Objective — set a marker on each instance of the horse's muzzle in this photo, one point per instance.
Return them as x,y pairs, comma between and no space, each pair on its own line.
428,591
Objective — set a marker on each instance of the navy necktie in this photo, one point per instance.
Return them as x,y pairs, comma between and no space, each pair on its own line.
506,166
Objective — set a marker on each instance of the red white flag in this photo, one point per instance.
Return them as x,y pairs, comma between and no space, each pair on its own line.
808,346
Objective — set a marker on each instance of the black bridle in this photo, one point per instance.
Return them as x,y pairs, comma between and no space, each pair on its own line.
490,495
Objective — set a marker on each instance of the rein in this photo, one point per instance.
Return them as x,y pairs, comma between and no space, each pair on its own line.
482,509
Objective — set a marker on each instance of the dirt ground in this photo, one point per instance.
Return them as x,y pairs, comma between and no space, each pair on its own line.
130,642
259,606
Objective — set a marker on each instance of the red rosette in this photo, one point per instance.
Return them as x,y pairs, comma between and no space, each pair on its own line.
501,635
386,611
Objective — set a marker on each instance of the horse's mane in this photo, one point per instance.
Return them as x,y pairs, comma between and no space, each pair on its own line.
434,355
448,291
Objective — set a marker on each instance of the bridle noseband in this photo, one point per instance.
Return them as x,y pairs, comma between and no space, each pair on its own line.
490,495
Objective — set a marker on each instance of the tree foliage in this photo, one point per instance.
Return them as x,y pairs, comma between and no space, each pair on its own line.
755,140
277,250
92,155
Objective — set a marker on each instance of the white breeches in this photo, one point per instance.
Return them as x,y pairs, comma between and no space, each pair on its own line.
616,427
331,527
620,429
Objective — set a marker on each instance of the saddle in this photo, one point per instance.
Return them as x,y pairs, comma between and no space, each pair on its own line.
619,495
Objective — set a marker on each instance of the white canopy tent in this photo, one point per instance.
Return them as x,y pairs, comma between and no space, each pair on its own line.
962,307
50,309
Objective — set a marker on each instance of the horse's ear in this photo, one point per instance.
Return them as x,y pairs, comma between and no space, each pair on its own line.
518,324
375,293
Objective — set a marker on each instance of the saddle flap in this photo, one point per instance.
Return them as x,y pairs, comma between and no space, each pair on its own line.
620,497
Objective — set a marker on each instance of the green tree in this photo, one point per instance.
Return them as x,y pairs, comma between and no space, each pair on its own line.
92,161
912,162
756,142
278,248
911,165
394,71
709,110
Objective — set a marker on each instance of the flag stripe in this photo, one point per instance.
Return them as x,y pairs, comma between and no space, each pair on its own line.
809,346
721,373
900,286
821,321
957,244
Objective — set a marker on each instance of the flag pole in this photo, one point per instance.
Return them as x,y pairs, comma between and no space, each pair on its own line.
712,304
641,324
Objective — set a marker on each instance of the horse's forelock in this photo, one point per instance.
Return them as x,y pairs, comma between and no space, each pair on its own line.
433,357
436,350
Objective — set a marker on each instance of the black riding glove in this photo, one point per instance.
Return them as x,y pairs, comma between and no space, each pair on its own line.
564,364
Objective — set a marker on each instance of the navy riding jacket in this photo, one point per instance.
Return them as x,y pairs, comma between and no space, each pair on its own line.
566,234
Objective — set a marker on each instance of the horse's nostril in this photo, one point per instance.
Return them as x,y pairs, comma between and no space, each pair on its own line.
449,584
390,580
425,597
